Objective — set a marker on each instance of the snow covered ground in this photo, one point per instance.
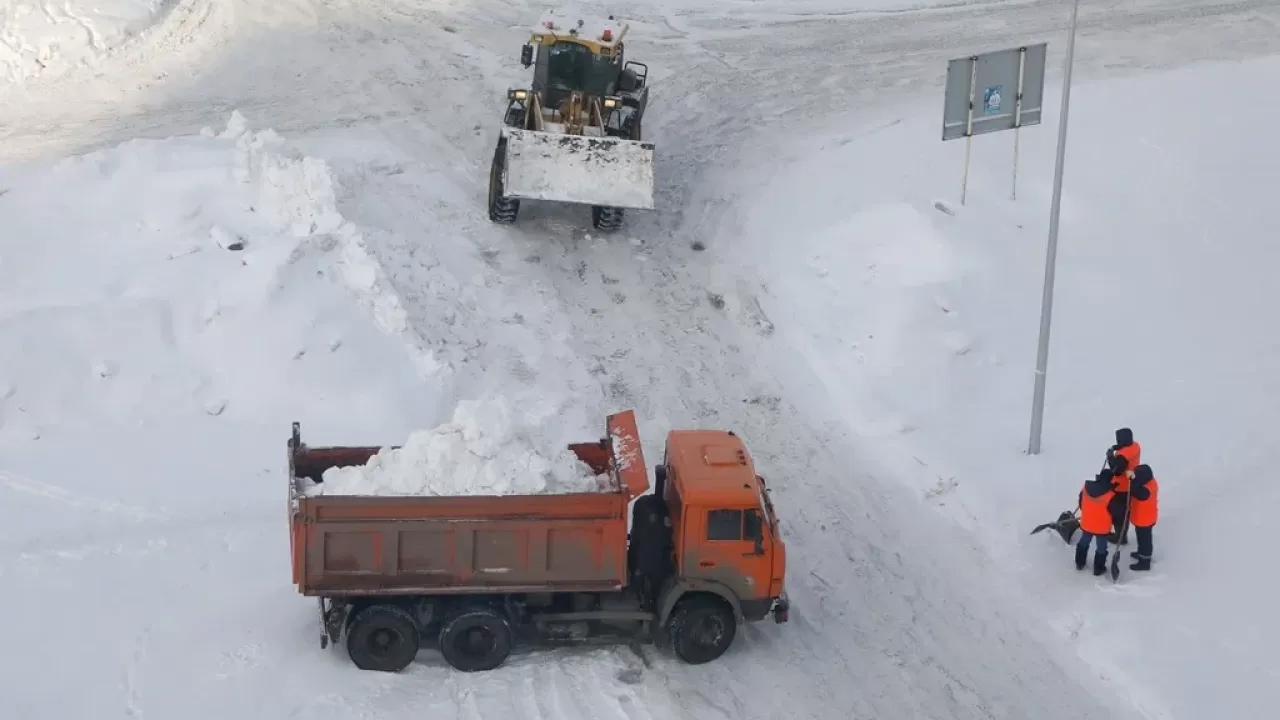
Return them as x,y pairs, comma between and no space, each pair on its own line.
48,38
918,329
150,370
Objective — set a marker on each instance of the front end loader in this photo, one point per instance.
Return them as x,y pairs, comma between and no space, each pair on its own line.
574,135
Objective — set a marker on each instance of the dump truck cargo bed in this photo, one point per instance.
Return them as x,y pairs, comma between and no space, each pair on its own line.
428,545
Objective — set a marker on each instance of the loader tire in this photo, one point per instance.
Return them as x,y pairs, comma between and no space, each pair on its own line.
383,638
606,219
501,209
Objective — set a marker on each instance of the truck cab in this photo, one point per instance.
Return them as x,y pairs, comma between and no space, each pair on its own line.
725,538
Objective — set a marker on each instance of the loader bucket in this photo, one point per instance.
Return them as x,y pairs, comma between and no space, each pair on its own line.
607,171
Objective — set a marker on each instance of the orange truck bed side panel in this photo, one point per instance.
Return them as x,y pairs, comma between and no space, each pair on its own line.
473,544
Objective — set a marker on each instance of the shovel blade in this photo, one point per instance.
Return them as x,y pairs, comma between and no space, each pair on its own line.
606,171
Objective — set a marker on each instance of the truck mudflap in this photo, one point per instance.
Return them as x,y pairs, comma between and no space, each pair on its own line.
333,615
781,609
605,171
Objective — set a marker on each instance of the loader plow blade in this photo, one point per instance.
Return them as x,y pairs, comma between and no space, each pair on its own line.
607,171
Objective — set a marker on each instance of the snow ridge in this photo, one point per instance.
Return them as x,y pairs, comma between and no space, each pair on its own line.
298,193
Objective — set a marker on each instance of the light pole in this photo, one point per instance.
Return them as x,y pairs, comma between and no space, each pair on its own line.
1051,253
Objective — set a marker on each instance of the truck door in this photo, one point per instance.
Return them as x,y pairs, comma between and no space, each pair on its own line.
735,550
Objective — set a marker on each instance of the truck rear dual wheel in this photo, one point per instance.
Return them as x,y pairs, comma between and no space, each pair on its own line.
475,638
383,638
701,629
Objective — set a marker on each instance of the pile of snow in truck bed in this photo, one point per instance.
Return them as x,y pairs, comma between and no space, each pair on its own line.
490,447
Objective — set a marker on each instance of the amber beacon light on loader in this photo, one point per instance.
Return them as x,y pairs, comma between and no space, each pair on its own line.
574,135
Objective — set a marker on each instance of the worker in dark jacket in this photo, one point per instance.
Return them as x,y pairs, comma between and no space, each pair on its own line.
1095,521
1143,513
1122,458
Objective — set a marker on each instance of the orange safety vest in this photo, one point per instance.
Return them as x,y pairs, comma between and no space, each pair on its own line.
1094,518
1144,513
1132,453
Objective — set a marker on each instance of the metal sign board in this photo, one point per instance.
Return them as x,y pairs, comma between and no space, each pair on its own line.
982,91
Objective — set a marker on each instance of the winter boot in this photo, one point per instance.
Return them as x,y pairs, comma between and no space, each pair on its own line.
1143,564
1082,554
1135,554
1099,563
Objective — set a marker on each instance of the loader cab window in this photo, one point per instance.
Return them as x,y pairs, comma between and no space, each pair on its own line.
571,66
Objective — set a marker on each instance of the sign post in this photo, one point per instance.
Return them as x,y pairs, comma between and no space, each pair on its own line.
993,74
1051,252
1017,120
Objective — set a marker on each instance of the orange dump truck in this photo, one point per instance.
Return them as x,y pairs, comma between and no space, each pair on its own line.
476,575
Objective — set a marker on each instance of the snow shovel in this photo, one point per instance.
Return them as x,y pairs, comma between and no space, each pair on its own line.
1115,555
602,171
1066,525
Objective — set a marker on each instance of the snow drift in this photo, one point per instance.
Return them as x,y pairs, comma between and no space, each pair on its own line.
918,328
206,273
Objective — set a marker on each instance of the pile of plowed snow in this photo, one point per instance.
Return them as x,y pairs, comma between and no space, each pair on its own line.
201,276
489,448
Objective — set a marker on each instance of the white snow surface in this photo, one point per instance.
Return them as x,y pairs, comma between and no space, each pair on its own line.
1162,323
489,447
41,37
148,370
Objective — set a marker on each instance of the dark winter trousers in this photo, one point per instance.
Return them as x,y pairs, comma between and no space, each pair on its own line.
1144,541
1118,507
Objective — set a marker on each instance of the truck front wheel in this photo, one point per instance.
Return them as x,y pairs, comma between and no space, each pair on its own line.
475,638
702,628
383,637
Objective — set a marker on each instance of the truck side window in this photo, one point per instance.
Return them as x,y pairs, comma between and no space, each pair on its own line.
724,524
752,528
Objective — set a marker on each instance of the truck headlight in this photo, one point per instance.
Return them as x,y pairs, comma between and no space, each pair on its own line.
611,102
518,94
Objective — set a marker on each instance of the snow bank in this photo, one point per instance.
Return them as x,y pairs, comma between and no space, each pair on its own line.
38,38
208,275
489,447
918,326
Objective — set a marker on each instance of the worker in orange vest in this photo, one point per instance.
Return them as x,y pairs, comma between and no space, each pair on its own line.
1095,521
1143,513
1122,458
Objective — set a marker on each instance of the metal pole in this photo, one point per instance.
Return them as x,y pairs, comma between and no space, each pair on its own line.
968,131
1051,252
1017,120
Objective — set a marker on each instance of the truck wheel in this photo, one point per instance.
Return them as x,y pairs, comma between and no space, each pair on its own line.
702,629
476,638
383,638
501,209
606,219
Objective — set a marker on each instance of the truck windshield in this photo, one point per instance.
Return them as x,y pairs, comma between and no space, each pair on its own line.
571,66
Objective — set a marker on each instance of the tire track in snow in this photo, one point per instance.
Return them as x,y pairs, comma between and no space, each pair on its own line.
36,488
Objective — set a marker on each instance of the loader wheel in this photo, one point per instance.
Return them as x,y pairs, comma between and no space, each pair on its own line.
701,629
606,219
501,209
475,638
383,638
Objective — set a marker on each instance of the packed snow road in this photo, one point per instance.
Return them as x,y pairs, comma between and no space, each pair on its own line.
893,617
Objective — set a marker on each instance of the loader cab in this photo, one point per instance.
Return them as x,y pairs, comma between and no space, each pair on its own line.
574,56
724,530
